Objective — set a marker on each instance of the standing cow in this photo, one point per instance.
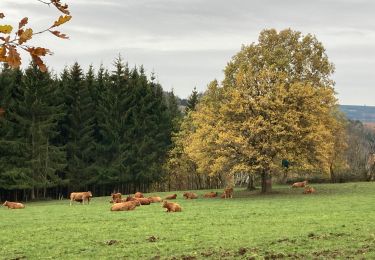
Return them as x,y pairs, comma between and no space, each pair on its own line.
80,197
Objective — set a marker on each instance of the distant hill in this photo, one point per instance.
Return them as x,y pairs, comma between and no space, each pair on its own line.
361,113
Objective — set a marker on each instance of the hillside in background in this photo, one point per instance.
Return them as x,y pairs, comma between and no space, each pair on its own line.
361,113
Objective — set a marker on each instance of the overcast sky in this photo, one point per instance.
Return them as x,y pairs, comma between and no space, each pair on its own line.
187,43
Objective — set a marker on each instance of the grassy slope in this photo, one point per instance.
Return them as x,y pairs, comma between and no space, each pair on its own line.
338,221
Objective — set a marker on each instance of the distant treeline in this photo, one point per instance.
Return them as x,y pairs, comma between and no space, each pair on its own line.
101,131
361,113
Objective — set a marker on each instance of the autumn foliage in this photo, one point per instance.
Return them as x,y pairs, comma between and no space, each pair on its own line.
15,38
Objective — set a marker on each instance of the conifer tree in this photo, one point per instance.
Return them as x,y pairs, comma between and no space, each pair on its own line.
79,128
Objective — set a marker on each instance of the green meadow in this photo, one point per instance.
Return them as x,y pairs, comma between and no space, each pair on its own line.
336,222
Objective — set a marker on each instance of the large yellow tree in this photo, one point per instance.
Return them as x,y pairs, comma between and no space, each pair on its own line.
276,102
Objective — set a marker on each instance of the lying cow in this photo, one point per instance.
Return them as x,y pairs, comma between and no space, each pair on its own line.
171,207
13,205
143,201
124,206
138,195
155,199
80,197
309,190
228,193
115,196
210,194
171,197
190,195
299,184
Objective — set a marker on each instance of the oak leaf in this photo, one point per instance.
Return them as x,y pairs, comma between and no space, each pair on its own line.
38,61
23,22
25,36
59,34
62,20
14,58
38,51
6,29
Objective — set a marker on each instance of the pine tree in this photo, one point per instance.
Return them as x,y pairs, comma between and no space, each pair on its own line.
79,129
192,101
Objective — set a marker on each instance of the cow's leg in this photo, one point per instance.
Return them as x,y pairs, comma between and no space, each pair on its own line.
70,202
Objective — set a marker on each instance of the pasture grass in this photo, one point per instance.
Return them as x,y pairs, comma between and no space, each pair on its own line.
336,222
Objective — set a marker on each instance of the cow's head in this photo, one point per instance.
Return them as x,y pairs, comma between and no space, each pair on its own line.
5,203
89,193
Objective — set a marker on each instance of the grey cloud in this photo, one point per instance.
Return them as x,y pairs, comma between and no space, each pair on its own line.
188,43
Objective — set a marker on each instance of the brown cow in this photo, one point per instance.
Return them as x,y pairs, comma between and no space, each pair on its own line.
13,205
124,206
155,199
138,195
309,190
299,184
190,195
228,193
115,196
222,195
171,207
80,197
171,197
143,201
210,194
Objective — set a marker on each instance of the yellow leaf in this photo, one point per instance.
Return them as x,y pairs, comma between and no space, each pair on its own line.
62,20
6,29
25,36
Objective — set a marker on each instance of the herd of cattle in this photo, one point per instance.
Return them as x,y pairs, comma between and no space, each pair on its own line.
131,202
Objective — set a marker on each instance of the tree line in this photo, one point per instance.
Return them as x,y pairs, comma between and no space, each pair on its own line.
274,117
102,131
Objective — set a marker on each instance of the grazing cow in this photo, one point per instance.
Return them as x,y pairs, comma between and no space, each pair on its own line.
115,196
124,206
210,194
155,199
138,195
228,193
299,184
13,205
171,197
80,197
171,206
309,190
190,195
143,201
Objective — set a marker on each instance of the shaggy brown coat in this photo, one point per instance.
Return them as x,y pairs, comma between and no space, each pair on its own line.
309,190
171,197
80,197
210,194
155,199
115,196
190,195
299,184
228,193
124,206
171,206
138,195
13,205
143,201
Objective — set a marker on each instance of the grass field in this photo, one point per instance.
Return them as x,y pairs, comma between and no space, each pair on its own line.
337,222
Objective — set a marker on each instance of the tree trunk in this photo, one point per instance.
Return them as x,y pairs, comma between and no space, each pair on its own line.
332,174
266,181
251,183
32,195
